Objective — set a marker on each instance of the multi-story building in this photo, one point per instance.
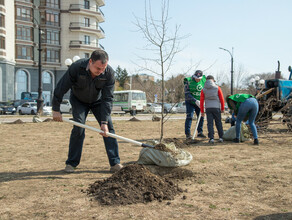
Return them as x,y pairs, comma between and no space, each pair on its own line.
146,77
7,49
58,29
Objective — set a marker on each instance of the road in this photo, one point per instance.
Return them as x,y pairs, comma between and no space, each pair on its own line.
142,117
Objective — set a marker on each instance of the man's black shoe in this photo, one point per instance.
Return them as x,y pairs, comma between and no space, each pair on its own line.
236,140
188,137
256,142
201,135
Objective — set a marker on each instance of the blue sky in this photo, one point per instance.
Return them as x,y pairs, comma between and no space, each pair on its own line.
259,31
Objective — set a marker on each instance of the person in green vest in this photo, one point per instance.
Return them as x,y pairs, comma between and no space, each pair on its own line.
245,106
192,88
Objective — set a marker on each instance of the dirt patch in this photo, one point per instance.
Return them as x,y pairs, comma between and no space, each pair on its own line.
134,119
48,120
223,181
173,173
133,184
178,142
162,147
18,121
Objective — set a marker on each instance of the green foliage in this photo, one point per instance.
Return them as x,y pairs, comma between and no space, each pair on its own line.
121,76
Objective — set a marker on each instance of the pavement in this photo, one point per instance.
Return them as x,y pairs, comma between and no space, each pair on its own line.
126,117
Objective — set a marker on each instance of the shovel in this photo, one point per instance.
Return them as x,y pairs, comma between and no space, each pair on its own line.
198,121
107,133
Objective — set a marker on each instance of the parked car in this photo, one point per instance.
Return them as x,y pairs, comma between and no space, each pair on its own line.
181,107
30,108
153,108
47,110
7,108
66,107
169,108
1,111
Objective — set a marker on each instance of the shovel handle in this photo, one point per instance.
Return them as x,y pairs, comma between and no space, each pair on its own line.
198,121
107,133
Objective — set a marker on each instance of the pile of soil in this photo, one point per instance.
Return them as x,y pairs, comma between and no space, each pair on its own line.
134,119
162,147
174,173
48,120
18,121
133,184
178,142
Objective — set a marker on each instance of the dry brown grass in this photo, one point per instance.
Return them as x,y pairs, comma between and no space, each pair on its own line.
232,181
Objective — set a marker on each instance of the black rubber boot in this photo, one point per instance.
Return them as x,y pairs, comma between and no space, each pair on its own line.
236,140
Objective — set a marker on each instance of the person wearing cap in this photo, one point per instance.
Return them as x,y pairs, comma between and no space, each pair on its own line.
212,97
245,106
192,88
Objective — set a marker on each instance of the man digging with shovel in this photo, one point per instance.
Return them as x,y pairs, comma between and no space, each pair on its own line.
92,84
193,87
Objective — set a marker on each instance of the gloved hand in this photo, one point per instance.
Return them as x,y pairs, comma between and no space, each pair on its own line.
198,103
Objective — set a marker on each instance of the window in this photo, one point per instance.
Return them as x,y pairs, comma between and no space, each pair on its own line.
52,55
51,18
86,55
121,97
24,33
138,96
53,37
21,83
29,1
47,77
2,20
86,4
86,22
23,13
24,52
2,42
87,39
52,3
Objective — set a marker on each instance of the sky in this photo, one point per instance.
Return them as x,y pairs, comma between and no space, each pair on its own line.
259,31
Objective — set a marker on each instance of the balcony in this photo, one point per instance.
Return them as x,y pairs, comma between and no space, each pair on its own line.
49,4
87,11
100,2
87,28
78,44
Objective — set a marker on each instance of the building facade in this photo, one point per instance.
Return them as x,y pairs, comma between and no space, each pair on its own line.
47,30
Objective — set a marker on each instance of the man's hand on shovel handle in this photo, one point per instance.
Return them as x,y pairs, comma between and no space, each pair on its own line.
57,116
104,127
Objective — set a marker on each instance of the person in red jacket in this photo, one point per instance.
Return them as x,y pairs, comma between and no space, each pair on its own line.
213,98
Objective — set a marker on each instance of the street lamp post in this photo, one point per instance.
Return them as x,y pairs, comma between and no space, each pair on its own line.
231,54
40,100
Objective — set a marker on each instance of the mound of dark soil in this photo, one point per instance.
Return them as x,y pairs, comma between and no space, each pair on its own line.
134,119
133,184
162,147
48,120
18,121
174,173
179,143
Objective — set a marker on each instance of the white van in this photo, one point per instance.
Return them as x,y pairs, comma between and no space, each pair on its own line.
65,106
129,100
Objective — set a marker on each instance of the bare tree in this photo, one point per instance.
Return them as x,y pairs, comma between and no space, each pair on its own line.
239,77
162,44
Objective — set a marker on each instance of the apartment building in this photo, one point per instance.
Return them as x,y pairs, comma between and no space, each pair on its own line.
46,30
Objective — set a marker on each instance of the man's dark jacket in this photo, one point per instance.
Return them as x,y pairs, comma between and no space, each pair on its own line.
85,88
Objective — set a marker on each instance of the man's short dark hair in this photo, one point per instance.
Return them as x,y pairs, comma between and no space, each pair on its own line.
210,77
99,54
